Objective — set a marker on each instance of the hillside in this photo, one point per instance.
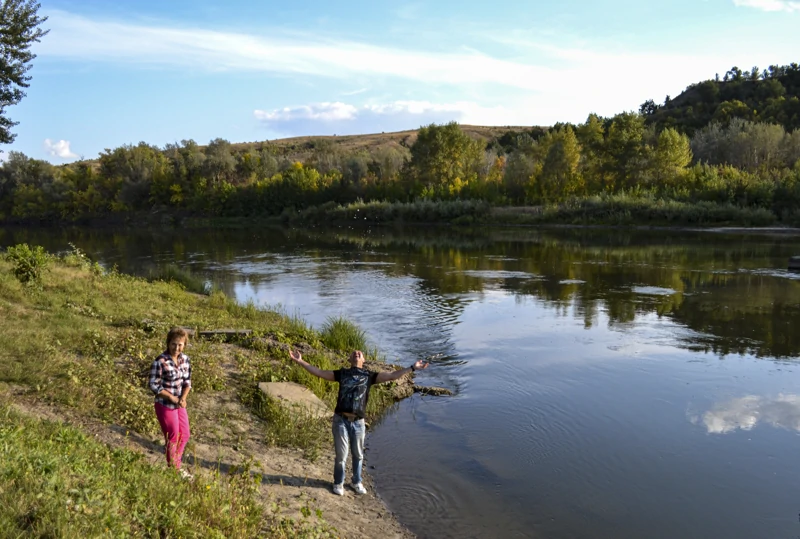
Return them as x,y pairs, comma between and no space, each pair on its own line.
771,96
303,147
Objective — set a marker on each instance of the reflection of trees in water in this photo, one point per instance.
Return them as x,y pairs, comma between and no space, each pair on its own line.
703,279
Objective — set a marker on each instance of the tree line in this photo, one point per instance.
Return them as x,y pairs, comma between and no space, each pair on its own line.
729,159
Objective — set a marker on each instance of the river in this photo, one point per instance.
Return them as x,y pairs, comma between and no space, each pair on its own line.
607,383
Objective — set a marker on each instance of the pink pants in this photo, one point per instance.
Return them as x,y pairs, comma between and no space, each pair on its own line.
175,426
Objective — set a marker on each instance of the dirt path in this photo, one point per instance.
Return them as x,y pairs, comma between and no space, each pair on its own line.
226,434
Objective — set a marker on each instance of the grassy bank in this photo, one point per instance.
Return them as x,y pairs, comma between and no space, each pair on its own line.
81,340
627,210
612,210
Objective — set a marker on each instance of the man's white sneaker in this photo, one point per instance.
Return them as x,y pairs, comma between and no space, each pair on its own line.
359,488
338,489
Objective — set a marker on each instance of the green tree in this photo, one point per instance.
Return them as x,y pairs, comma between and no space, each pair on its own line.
559,176
591,136
727,110
672,155
443,157
19,29
625,151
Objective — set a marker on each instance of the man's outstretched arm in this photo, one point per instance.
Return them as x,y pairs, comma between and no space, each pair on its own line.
316,371
389,376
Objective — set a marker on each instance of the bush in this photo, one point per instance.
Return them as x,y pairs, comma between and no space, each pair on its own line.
338,333
29,263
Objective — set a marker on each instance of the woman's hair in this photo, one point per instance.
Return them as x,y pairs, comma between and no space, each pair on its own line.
177,332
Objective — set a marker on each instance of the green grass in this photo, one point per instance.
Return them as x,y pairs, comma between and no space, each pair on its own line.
58,482
628,210
339,333
420,211
55,481
173,273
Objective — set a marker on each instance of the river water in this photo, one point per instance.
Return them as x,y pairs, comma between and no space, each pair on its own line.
608,384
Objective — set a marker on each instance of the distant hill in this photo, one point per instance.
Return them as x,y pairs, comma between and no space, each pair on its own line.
299,147
770,96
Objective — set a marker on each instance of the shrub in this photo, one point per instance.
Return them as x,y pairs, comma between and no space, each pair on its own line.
339,333
29,263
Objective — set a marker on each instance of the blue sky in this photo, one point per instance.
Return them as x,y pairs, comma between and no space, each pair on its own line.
113,73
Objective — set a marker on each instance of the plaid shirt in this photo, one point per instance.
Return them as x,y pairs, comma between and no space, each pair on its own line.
165,374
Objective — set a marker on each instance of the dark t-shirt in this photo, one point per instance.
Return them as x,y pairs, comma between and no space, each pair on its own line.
354,385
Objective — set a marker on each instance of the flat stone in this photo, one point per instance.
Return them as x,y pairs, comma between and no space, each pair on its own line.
294,395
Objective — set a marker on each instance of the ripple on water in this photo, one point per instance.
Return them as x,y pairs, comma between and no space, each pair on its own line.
499,274
422,504
653,290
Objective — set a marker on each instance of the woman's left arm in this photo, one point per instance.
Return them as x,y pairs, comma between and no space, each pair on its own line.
187,385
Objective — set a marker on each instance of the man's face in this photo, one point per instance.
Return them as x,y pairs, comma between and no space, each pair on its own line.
357,359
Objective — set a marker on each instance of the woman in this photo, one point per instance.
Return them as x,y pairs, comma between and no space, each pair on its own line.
171,381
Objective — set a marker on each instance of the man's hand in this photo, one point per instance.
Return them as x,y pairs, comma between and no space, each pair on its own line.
295,355
420,365
389,376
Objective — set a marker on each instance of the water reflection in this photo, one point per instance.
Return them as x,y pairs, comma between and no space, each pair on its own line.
744,413
731,292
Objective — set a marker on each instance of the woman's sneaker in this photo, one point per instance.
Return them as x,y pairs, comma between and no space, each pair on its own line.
186,475
338,489
359,488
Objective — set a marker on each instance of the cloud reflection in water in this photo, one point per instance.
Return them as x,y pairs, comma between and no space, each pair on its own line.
746,412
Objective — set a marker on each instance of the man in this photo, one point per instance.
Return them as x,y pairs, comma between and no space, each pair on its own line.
351,407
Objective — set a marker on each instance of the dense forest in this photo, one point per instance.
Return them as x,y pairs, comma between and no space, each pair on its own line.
732,141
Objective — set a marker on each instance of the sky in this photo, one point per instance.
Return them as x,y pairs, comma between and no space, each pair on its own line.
114,73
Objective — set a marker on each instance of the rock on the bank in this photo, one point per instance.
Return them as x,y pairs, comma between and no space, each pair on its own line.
292,396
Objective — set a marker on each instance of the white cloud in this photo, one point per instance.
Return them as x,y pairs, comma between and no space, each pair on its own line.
341,118
769,5
745,413
325,112
77,37
356,92
59,149
531,83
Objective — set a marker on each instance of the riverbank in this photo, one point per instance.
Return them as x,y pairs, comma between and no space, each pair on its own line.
80,444
600,210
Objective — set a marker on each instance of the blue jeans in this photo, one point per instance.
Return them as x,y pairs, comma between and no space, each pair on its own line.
348,436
